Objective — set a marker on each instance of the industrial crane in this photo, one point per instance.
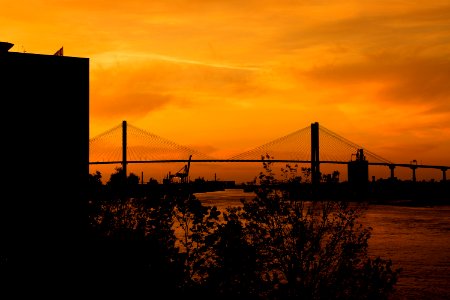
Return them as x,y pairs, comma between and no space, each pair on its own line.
183,173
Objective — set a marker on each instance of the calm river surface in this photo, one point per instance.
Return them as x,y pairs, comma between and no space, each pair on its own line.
417,239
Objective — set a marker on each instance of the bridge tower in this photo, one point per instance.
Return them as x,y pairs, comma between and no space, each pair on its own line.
315,163
414,178
392,167
124,148
413,166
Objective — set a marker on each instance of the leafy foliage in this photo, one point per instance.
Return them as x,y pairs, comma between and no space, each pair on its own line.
271,247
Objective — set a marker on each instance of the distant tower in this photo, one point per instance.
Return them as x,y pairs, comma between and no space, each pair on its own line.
358,173
124,148
315,163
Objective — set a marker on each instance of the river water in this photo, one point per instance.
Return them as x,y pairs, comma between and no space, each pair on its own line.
416,239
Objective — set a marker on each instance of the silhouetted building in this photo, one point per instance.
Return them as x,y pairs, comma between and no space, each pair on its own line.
358,174
45,141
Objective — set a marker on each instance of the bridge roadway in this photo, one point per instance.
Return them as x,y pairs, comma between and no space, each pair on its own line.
391,166
271,160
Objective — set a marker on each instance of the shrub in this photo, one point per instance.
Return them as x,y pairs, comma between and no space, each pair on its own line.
271,247
306,249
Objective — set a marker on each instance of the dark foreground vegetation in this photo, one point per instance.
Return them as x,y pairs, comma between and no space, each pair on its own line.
271,247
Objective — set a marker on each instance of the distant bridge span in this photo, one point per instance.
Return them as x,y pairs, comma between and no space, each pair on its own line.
313,150
390,165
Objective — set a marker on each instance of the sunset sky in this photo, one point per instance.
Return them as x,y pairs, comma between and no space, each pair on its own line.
227,76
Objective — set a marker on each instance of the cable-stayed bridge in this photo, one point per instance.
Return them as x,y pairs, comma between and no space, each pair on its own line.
315,145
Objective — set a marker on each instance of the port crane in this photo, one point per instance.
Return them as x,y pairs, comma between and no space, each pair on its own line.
182,174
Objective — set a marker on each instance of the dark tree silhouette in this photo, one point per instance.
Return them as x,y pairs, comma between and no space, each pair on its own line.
270,247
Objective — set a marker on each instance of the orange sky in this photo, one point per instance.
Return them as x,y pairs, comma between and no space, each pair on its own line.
227,76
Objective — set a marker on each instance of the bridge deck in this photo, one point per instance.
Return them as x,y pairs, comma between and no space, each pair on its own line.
412,166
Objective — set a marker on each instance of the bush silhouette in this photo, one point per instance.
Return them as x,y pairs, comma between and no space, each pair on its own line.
270,247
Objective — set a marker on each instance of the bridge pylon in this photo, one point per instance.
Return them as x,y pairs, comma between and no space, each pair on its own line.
413,166
315,161
392,167
124,148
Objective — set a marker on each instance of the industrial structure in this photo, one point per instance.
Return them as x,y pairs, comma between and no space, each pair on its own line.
182,175
358,173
